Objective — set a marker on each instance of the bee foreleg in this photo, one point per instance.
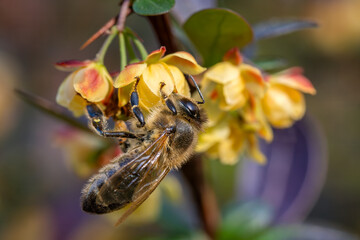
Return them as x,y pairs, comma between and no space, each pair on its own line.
167,100
134,102
97,121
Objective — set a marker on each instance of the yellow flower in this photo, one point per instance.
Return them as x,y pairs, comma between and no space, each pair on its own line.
254,119
284,102
233,92
227,140
154,70
233,81
89,82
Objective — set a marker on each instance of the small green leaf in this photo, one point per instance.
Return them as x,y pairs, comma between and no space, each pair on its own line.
271,64
215,31
245,221
152,7
274,28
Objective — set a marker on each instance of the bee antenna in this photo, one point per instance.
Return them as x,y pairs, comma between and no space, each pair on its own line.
187,76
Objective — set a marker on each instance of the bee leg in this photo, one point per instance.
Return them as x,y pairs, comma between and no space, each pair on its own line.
97,121
167,100
134,102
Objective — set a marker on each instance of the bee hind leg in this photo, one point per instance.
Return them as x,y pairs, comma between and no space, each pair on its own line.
134,102
96,117
167,100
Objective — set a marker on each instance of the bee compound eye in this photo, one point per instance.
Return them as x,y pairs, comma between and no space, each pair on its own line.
191,108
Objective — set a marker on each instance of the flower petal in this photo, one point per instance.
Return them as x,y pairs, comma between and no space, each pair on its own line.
253,149
123,95
155,56
213,111
293,78
222,73
233,56
154,74
92,84
147,99
181,84
66,91
227,154
71,65
128,75
231,148
77,105
212,136
255,120
67,97
253,79
234,93
283,105
185,62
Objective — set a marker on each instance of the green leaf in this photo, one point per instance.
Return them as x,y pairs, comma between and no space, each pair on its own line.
152,7
245,221
215,31
271,64
274,28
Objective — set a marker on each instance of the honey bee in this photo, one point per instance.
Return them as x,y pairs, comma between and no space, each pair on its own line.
163,141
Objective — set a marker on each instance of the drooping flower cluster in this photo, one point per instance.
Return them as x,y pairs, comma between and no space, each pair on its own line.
242,102
91,82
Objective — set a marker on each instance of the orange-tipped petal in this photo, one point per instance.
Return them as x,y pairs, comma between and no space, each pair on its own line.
233,56
128,75
185,62
222,73
92,84
155,56
293,78
154,74
283,105
71,65
181,84
253,79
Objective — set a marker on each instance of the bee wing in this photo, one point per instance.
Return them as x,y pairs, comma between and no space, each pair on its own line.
136,180
144,192
151,179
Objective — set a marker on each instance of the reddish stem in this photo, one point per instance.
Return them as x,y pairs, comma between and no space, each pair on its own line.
124,12
161,25
203,194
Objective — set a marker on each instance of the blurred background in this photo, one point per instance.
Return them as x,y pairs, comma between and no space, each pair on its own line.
39,192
